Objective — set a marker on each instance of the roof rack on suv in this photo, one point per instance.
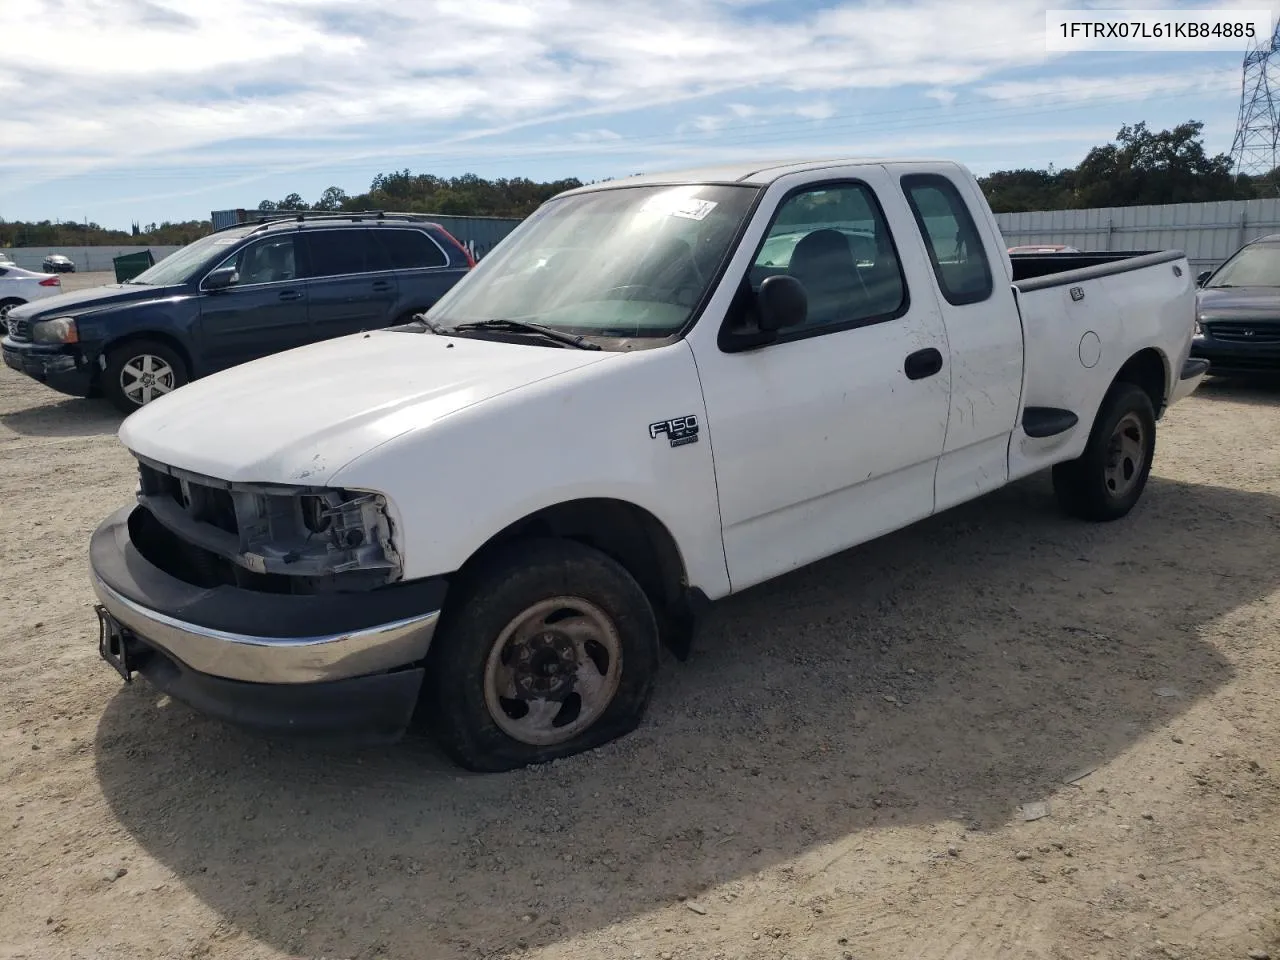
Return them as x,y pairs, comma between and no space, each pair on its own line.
299,216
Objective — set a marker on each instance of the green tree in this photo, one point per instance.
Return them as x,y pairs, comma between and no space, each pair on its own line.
332,199
1140,166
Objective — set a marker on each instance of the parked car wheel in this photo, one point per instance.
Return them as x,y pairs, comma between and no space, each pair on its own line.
139,371
1106,481
548,650
5,307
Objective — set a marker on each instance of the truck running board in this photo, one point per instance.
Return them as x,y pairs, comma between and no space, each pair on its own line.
1047,421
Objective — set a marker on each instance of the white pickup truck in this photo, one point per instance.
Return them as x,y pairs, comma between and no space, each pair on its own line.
656,392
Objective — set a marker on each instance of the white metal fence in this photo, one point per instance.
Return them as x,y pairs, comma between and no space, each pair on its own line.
86,259
1207,233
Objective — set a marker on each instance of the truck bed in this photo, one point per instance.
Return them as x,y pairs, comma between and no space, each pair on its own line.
1084,315
1033,271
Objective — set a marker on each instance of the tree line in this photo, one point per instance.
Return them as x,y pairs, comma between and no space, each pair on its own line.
48,233
1140,166
407,192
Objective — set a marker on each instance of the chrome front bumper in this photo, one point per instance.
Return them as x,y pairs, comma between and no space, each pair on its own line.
231,633
265,659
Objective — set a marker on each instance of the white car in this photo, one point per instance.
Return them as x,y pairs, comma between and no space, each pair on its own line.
19,286
493,515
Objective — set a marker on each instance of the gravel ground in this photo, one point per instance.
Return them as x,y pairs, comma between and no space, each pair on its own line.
836,773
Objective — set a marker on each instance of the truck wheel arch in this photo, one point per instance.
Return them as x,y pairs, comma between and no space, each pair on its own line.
630,535
1148,369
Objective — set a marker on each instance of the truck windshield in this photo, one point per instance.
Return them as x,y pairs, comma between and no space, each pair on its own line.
624,262
182,265
1257,265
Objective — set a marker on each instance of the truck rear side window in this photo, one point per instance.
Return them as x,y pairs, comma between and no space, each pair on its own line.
955,246
834,239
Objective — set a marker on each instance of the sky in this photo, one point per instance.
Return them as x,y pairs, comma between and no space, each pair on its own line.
149,110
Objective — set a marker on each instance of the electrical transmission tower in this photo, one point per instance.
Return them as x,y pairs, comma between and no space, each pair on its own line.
1256,150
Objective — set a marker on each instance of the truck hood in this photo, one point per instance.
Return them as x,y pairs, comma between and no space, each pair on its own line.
302,415
81,302
1239,303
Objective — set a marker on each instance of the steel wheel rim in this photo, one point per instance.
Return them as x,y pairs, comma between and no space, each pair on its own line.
553,671
1126,455
145,377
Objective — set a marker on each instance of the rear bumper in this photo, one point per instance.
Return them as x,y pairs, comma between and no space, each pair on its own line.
65,371
1192,374
348,663
1237,357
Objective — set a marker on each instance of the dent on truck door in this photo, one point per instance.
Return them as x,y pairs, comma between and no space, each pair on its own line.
983,330
830,435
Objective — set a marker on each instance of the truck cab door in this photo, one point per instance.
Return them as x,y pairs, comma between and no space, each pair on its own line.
959,239
830,434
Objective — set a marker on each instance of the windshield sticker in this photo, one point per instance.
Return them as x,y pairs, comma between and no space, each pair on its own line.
674,204
693,209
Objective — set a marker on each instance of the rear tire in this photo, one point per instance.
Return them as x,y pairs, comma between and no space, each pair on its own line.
1105,481
549,649
139,371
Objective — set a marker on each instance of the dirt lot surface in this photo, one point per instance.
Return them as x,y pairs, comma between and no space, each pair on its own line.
836,773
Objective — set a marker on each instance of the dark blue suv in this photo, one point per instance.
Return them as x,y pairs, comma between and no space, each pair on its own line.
241,293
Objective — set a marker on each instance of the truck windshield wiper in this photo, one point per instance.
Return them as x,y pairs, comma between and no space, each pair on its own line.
523,326
426,322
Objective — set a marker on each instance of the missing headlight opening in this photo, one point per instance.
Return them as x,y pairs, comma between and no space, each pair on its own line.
271,537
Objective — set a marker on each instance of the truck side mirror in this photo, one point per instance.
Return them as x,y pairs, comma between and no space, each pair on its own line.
782,303
221,279
1200,280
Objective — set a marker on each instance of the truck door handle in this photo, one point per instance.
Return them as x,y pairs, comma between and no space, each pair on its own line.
382,285
290,295
922,363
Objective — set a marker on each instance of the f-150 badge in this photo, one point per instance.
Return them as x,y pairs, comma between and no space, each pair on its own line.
679,431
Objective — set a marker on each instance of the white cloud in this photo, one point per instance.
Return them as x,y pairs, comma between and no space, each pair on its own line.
1134,86
253,88
746,116
107,82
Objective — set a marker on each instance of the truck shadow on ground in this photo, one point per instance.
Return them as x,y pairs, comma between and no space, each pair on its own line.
943,674
73,417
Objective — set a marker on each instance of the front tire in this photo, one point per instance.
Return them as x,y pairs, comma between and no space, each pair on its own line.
140,371
1105,481
549,649
5,307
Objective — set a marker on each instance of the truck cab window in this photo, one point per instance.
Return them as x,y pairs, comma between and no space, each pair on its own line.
955,247
835,241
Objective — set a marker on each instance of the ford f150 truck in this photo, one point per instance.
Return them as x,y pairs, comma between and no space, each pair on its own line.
491,517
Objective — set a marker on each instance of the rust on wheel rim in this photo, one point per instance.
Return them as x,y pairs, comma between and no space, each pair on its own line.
1126,455
553,671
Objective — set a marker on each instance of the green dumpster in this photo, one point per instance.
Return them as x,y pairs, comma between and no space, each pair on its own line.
129,265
